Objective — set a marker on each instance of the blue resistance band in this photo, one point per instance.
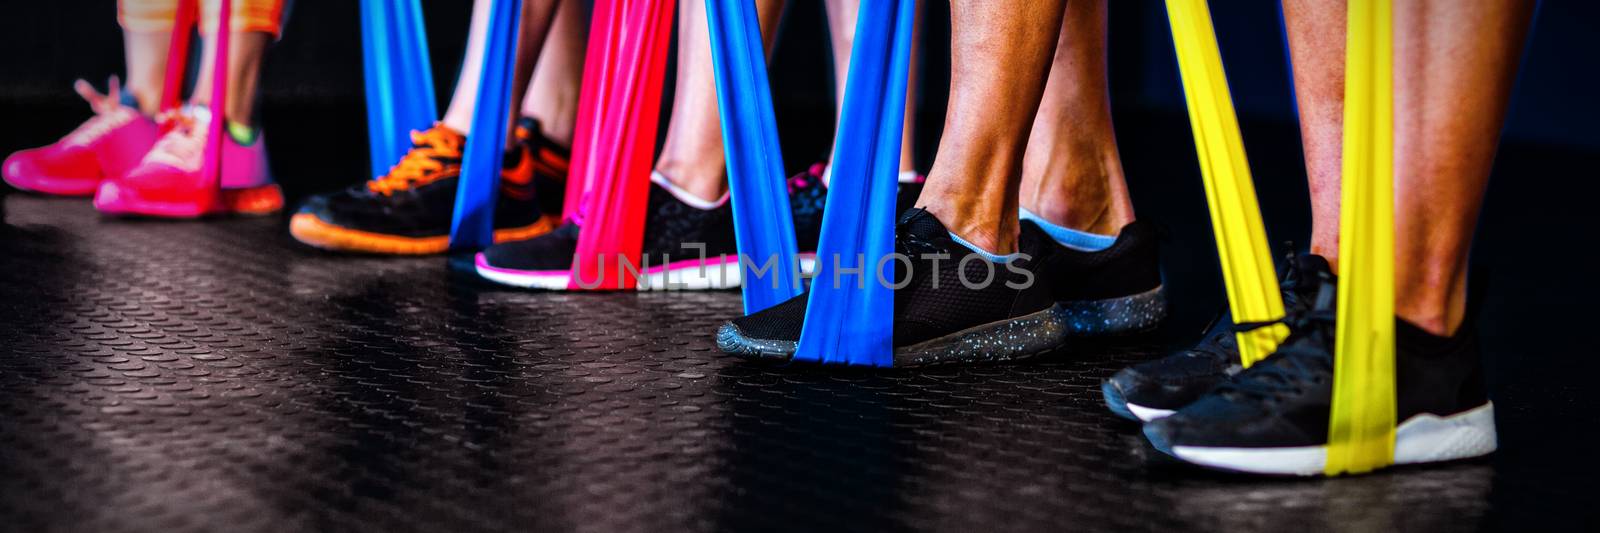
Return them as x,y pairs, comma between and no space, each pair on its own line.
763,221
472,222
399,79
850,314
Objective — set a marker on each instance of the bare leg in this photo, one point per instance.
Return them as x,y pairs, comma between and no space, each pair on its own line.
692,155
842,34
146,55
245,53
1000,57
1316,46
537,17
458,116
535,25
1072,172
552,95
1454,65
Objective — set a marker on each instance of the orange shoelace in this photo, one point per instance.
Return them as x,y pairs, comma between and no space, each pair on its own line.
421,165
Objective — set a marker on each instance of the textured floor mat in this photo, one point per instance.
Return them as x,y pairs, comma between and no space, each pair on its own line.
219,376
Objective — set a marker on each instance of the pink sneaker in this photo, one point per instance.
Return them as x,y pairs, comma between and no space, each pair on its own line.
167,182
108,144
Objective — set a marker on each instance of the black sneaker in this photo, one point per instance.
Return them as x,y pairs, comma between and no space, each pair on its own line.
1273,417
807,197
408,211
938,319
1111,292
1114,291
674,231
1157,388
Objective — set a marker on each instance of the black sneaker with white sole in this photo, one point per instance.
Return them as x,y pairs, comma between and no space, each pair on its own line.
1113,291
938,319
1153,389
1272,418
688,245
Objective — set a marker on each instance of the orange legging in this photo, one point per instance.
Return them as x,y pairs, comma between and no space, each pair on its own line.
157,15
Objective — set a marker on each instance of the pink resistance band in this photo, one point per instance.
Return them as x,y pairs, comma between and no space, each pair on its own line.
172,87
618,111
211,171
597,59
178,53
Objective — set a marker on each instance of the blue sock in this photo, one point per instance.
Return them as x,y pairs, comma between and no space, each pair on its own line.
1082,241
128,99
992,257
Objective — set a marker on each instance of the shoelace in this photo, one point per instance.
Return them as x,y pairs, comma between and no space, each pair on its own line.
1295,304
1306,357
184,142
421,165
109,113
97,126
913,247
1223,343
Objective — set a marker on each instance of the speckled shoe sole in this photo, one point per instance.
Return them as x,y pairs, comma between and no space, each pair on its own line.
1006,340
1115,316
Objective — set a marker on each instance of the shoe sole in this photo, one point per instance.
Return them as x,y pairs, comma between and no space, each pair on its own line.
1118,404
1423,438
1004,340
721,272
66,192
313,231
251,201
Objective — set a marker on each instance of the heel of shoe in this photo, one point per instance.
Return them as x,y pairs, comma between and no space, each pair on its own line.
1113,316
259,200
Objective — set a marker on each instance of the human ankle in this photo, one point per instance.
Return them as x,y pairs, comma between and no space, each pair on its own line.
1430,318
1434,299
1082,191
557,135
1089,217
991,235
147,101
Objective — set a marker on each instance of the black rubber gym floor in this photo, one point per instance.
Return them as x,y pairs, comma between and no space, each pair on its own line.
218,376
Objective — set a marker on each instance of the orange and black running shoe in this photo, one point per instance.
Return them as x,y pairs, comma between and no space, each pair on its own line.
408,211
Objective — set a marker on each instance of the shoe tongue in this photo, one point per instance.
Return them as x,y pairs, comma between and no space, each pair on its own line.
528,127
1309,266
1305,275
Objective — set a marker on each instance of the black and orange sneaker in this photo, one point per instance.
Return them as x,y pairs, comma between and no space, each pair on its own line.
408,211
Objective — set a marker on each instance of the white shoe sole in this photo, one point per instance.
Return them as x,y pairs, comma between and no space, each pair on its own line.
1424,438
1146,414
696,277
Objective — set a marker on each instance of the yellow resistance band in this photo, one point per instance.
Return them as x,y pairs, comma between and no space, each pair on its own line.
1235,217
1361,423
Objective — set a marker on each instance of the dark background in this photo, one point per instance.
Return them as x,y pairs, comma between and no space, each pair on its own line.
1535,235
